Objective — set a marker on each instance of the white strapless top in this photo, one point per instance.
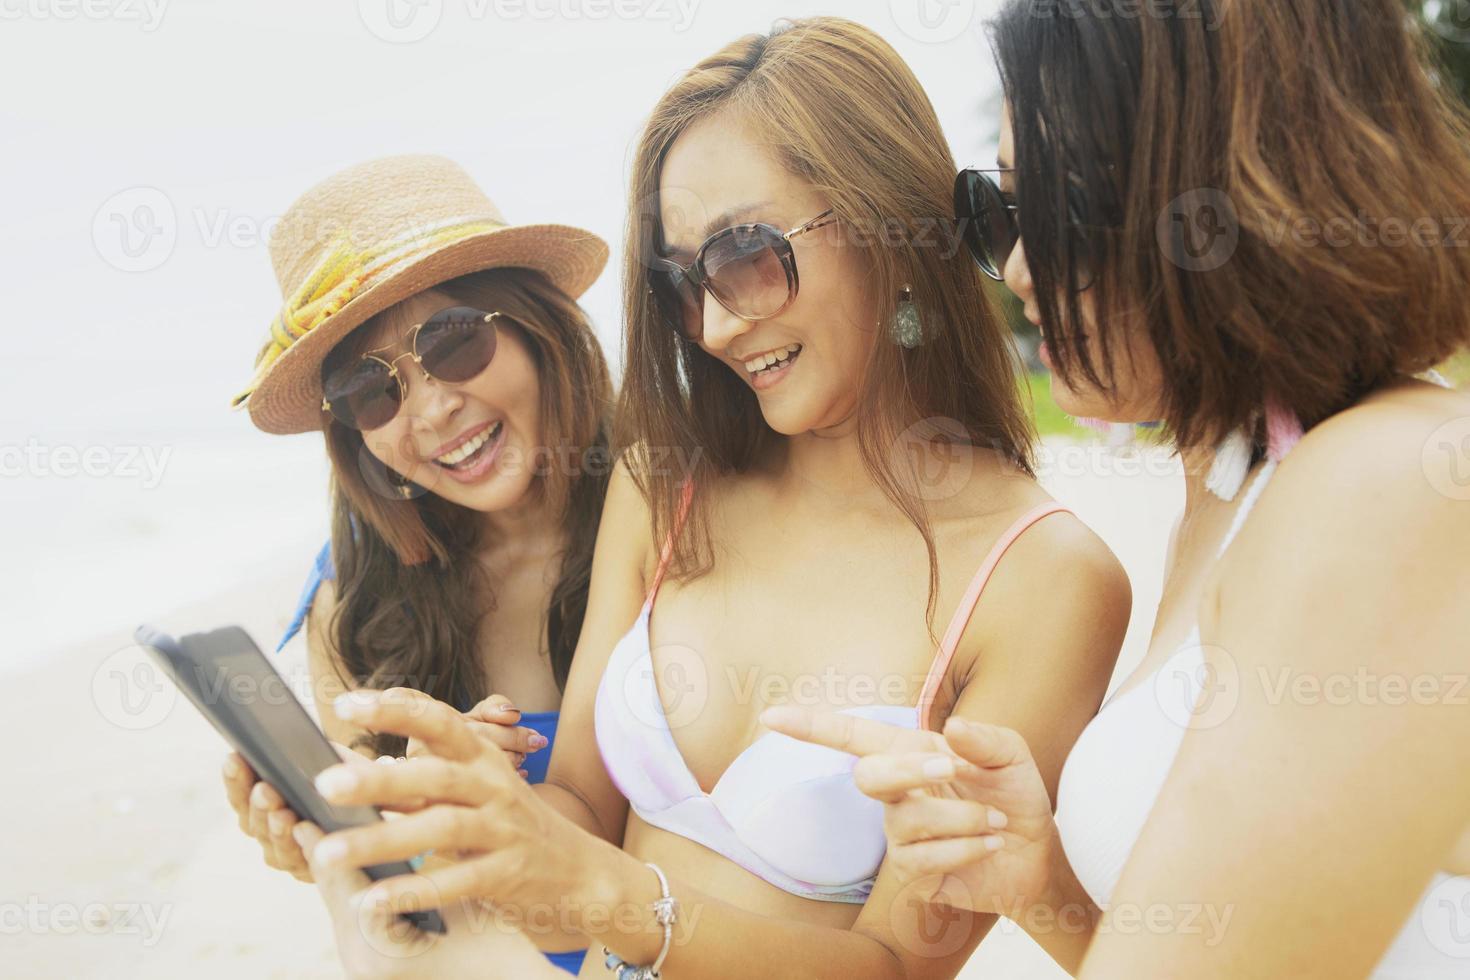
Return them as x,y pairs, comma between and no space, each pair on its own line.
1117,769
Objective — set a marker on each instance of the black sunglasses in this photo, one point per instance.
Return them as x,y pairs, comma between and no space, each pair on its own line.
986,216
987,219
453,346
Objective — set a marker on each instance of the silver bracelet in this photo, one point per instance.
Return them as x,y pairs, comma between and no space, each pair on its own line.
665,912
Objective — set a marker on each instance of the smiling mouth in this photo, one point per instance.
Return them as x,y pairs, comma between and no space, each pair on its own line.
773,361
466,456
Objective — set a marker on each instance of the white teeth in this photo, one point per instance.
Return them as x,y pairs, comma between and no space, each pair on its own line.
766,360
467,450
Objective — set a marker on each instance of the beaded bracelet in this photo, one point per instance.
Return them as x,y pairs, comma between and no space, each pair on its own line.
666,912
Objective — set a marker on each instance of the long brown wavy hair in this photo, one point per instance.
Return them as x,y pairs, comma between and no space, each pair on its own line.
410,594
1256,119
839,109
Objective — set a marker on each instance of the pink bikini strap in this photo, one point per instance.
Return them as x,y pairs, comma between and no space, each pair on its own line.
967,605
687,495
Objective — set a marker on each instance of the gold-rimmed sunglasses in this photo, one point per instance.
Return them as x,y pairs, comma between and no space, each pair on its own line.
749,269
453,345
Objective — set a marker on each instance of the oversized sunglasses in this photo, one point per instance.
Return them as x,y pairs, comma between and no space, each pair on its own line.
987,219
453,346
749,269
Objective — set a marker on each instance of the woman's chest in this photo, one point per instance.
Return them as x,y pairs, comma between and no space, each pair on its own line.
512,643
723,648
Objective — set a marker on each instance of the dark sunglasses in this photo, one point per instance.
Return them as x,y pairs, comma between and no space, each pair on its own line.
453,346
987,219
749,269
986,216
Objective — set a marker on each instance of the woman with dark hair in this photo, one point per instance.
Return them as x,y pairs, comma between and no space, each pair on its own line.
860,529
464,402
1251,226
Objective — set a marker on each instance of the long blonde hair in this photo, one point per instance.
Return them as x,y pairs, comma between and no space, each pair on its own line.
839,108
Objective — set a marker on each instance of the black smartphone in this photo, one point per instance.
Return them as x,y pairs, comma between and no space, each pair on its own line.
233,684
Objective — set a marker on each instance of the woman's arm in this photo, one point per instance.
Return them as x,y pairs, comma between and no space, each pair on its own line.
1055,614
328,679
969,817
577,784
1339,778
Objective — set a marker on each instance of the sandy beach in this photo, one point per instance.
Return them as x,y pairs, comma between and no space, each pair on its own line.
122,857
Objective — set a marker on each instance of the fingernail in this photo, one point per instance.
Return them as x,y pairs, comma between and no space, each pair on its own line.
232,767
277,822
993,842
524,774
538,741
939,768
257,795
298,833
997,819
509,709
959,724
330,850
335,781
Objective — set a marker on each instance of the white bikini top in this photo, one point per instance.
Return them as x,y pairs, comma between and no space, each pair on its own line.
785,810
1117,770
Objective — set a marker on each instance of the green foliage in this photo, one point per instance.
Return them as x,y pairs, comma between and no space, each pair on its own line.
1050,420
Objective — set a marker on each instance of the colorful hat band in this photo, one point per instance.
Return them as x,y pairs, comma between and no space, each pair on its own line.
341,274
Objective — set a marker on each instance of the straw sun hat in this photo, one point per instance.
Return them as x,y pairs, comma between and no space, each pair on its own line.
371,236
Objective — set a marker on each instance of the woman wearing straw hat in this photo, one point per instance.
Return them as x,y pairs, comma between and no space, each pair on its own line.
440,351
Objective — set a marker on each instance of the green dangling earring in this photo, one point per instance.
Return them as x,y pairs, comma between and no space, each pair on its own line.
907,328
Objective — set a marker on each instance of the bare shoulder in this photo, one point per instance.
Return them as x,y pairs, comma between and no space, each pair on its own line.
626,529
1377,494
1060,557
1056,571
1397,462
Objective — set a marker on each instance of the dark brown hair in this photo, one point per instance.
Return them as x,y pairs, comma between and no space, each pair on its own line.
839,109
1262,119
410,593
